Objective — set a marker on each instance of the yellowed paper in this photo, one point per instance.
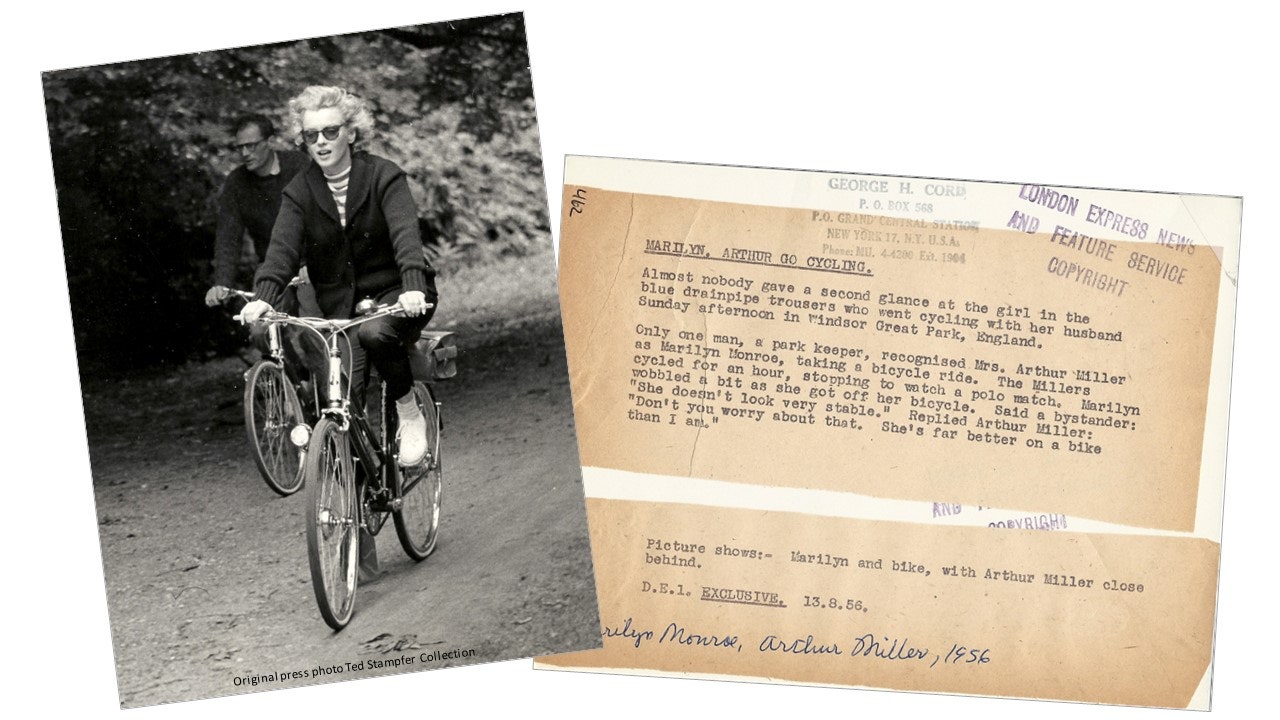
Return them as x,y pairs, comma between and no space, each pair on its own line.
829,416
965,610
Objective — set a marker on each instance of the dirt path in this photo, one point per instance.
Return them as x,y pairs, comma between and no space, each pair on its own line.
206,568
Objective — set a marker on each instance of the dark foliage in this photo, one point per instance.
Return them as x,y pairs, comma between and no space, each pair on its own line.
139,151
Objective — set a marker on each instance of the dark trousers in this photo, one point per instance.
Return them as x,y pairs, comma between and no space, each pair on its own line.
384,344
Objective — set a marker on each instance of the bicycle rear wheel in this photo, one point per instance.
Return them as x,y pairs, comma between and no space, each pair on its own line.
271,410
333,523
419,487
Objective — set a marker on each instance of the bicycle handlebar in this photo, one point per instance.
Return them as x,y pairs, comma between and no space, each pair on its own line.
249,295
322,325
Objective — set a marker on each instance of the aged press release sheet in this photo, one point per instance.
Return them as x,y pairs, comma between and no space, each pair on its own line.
906,433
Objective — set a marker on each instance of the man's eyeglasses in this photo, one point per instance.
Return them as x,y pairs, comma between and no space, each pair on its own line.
241,147
330,133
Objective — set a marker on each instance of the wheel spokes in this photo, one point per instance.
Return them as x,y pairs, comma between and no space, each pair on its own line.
335,524
419,490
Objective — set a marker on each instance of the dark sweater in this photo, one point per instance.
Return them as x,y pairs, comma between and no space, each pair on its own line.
249,202
377,253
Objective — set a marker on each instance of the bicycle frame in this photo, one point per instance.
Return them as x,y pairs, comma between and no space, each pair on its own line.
275,344
275,348
338,407
342,501
375,460
275,402
347,505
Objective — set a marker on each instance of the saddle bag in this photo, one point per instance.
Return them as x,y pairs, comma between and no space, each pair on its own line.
434,356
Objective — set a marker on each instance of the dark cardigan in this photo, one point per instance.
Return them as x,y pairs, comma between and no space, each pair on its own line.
379,250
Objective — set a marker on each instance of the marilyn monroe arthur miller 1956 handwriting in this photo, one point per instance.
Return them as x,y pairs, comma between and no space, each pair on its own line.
906,433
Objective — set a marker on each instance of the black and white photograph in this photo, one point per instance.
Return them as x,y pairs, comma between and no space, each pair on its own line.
1164,97
321,359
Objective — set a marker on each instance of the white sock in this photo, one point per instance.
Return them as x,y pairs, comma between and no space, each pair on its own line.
407,407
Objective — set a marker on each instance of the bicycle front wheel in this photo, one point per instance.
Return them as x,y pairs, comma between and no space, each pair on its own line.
333,523
419,487
271,410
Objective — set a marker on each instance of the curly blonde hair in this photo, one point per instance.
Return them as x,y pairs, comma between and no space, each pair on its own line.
355,111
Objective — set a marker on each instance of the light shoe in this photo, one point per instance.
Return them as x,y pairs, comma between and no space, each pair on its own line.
412,437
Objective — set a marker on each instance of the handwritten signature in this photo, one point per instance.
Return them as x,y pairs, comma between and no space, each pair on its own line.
626,631
675,634
865,646
868,645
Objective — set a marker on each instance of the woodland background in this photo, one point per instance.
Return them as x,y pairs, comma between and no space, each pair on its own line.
140,150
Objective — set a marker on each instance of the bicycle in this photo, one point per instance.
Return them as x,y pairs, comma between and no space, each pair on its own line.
272,409
354,479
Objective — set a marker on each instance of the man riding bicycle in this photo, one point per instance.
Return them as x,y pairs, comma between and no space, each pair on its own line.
248,203
249,200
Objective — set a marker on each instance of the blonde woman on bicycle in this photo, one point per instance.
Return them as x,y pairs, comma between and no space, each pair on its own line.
351,215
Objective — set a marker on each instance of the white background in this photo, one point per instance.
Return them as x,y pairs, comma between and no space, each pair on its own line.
1059,93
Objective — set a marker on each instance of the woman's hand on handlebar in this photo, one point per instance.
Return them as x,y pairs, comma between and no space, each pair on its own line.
414,303
254,310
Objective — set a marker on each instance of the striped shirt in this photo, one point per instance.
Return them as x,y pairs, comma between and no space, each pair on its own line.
338,186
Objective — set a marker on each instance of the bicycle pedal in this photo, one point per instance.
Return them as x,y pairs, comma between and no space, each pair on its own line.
384,505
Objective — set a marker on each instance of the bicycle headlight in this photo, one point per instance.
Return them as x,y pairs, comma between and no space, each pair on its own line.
300,435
